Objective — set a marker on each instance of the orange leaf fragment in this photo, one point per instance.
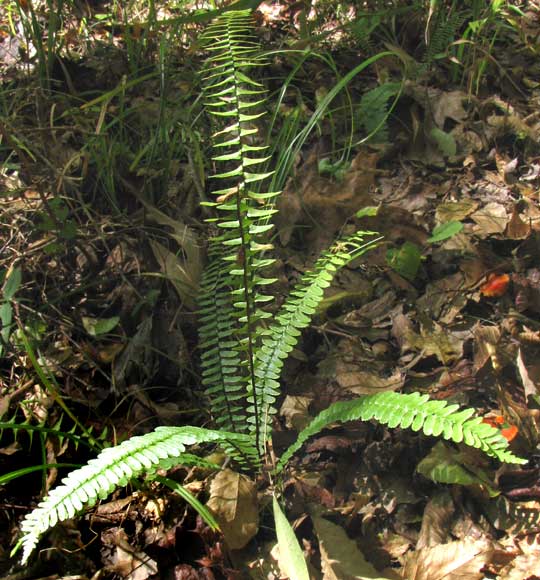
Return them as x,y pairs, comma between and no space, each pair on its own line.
496,285
509,432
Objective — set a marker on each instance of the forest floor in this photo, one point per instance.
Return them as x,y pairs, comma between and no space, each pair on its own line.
103,166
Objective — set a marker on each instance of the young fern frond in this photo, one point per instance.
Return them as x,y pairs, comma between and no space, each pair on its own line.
234,99
114,467
412,411
282,335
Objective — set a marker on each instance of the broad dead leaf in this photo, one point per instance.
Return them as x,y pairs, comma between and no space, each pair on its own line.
436,520
233,500
461,560
341,559
526,565
491,219
455,210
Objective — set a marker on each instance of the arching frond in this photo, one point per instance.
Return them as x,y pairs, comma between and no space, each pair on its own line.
113,468
412,411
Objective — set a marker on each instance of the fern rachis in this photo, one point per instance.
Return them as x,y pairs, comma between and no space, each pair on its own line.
243,352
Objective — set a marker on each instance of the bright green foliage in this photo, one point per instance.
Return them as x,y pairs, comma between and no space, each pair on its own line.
412,411
243,346
445,464
282,335
291,558
113,468
234,281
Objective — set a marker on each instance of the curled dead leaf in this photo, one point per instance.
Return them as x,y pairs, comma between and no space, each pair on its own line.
233,500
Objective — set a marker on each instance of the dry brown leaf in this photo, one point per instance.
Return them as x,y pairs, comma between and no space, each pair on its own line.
455,210
517,229
526,566
491,219
341,559
436,520
486,339
295,410
233,500
461,560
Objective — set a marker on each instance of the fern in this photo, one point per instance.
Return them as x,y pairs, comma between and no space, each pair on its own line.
444,33
234,278
373,110
412,411
112,468
281,336
243,348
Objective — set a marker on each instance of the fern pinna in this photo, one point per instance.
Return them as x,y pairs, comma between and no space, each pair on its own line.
243,346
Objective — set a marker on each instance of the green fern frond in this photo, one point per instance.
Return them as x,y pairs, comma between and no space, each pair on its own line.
412,411
373,110
220,360
113,468
444,33
233,302
282,335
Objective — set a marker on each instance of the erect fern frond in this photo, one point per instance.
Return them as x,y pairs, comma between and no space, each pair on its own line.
114,467
235,281
282,335
220,359
444,32
412,411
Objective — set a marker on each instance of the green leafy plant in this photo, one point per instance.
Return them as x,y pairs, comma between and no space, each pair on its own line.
12,282
244,344
407,258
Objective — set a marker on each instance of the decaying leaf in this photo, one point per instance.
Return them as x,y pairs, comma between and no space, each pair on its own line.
453,561
490,219
436,520
341,559
233,500
175,269
295,410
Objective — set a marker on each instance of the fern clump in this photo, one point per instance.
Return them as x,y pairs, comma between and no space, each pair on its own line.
243,345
